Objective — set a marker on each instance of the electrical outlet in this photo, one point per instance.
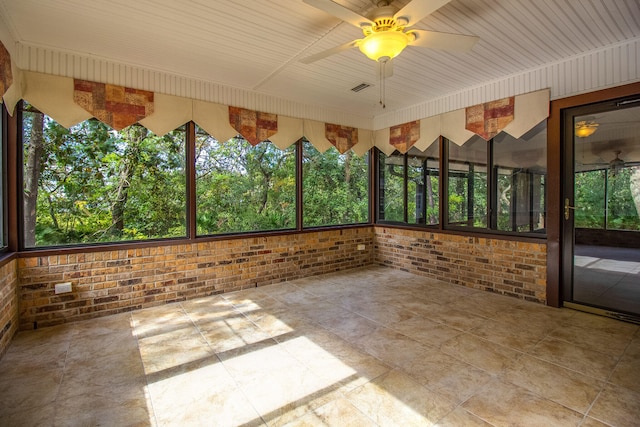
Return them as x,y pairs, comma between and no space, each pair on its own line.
361,247
62,288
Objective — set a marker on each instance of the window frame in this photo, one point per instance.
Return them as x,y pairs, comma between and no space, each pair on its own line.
492,198
191,232
4,188
443,224
405,190
368,158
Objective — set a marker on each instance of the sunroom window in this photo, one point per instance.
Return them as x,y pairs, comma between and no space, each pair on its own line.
498,184
408,186
92,184
335,187
243,188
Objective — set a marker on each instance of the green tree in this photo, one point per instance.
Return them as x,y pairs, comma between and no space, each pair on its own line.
335,187
242,188
97,185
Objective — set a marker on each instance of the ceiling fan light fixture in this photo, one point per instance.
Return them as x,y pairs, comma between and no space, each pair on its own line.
585,129
383,44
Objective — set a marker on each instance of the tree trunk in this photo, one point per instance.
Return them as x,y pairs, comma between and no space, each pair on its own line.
130,161
32,178
347,166
635,188
433,219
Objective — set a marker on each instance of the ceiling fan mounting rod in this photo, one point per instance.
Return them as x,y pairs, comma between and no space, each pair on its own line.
381,3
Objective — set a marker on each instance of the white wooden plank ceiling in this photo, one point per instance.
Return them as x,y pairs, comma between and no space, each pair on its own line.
255,45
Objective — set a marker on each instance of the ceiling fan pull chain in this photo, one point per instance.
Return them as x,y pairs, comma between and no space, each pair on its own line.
383,64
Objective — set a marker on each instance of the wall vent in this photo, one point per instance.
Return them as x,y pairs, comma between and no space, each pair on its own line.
361,86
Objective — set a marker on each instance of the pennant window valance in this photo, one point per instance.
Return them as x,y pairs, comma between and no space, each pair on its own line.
6,74
70,101
341,137
116,106
404,136
514,115
254,126
489,119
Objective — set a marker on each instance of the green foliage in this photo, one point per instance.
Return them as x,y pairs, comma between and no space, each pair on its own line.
459,199
335,187
81,172
618,203
240,188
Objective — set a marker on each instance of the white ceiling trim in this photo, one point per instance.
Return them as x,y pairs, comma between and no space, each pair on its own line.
614,65
602,68
69,64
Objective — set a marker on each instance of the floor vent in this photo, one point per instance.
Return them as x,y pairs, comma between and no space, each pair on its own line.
361,86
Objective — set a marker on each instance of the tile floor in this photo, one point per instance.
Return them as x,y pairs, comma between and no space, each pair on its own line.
363,347
607,277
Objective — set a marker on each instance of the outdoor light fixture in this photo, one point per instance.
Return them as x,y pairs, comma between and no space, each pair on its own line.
585,129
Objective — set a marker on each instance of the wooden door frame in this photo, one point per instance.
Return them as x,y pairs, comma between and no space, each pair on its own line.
555,181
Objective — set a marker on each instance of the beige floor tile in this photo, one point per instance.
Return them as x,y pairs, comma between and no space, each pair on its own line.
599,340
480,353
477,308
298,298
338,412
96,347
459,417
202,393
350,326
591,422
447,375
602,324
162,321
426,331
418,307
109,371
457,319
257,360
228,408
41,416
334,360
514,336
585,360
617,406
382,313
569,388
277,322
627,371
391,347
123,405
228,334
283,395
29,391
160,357
395,399
505,404
298,353
22,359
52,335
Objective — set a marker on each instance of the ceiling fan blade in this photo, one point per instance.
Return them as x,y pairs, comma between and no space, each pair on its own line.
416,10
384,69
329,52
340,12
444,41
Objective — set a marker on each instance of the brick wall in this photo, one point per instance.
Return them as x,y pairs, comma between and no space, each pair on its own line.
506,267
8,304
110,282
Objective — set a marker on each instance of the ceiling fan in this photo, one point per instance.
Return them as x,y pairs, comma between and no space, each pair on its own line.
616,164
386,32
